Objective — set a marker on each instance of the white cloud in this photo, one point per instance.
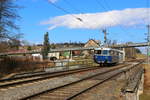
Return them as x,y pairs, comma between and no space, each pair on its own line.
126,17
52,1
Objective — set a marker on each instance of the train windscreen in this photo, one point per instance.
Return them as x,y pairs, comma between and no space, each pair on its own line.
98,52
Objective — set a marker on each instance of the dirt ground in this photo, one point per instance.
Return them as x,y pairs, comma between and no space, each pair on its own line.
146,93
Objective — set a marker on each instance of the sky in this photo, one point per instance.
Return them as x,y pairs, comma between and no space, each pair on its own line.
81,20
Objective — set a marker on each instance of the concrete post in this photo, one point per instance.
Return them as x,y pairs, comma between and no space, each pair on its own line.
41,58
70,54
124,54
141,85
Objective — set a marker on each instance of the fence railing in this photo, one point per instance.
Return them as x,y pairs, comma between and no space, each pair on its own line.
67,63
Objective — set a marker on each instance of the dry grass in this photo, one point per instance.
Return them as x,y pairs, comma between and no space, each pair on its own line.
11,65
146,94
140,56
78,61
147,79
144,97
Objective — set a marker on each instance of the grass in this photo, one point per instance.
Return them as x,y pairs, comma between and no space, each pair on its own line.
140,56
88,62
146,93
144,97
11,65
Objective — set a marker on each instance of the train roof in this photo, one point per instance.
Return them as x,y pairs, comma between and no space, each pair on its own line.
104,48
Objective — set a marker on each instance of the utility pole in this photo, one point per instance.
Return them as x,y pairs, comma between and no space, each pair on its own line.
148,41
148,33
105,36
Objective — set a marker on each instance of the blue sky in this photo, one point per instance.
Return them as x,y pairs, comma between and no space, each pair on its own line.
37,11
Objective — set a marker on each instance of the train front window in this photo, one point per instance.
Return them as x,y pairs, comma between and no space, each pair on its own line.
98,52
105,52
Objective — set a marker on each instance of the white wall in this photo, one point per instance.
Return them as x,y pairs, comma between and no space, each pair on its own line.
55,54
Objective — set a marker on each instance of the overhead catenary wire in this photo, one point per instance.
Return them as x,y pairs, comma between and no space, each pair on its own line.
105,9
106,3
109,8
68,3
101,5
148,12
72,6
64,10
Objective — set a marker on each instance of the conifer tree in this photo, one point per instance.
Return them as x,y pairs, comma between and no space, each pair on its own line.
46,46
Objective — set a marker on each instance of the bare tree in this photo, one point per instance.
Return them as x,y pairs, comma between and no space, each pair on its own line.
114,42
111,42
8,15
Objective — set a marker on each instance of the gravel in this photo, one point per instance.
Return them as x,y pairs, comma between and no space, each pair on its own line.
15,93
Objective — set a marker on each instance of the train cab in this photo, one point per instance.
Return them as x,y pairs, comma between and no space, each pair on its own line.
107,55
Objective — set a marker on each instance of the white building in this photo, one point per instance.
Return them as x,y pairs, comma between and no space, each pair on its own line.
54,54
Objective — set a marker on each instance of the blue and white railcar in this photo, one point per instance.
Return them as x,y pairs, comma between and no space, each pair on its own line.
108,56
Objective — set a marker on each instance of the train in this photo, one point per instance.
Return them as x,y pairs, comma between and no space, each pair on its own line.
105,56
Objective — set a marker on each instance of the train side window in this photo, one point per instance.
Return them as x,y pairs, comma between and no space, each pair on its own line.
105,52
111,52
115,53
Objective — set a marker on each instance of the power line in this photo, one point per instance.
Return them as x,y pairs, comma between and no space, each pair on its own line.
64,10
101,5
107,4
148,13
71,5
109,8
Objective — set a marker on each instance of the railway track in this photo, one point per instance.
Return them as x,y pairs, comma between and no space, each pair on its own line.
81,75
38,75
136,60
5,83
74,89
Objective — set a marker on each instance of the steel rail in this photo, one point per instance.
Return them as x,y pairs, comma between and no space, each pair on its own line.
106,79
59,87
52,75
43,73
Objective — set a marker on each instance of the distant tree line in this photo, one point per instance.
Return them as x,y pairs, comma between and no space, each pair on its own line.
138,50
9,45
69,44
